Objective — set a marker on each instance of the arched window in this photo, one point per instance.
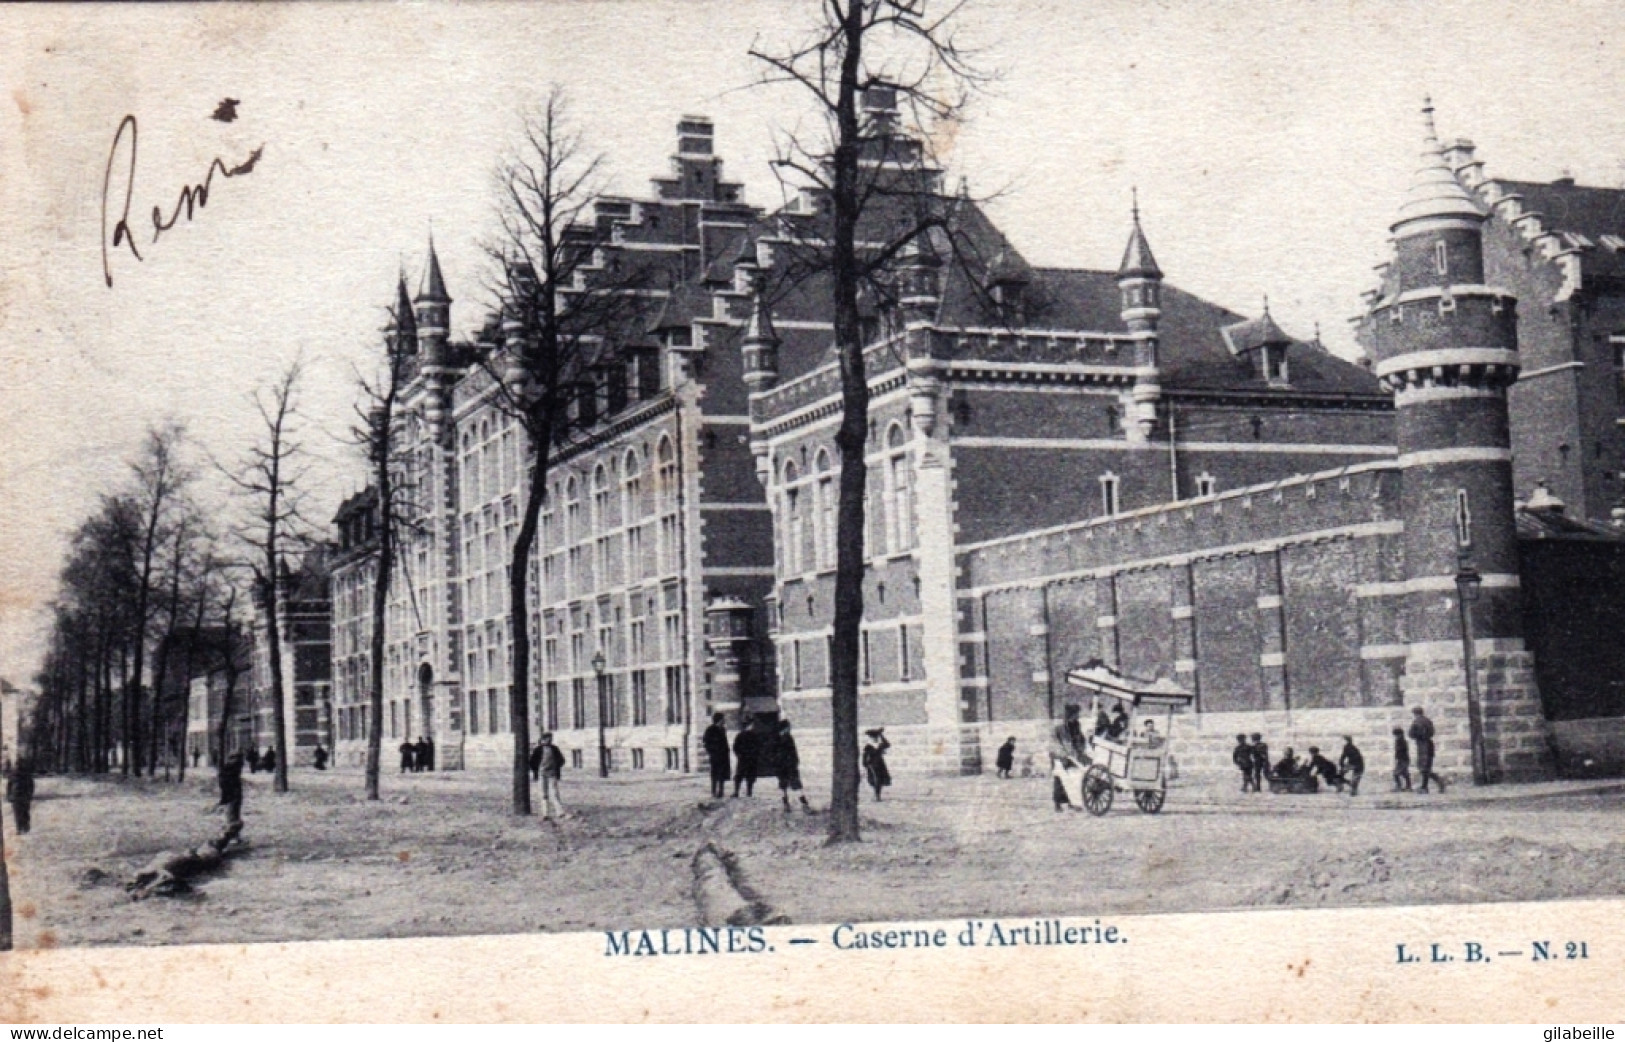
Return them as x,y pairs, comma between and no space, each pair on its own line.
824,524
572,512
899,492
601,519
631,489
666,475
794,522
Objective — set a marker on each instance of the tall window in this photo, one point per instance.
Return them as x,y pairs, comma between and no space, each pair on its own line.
551,706
666,492
1108,494
1617,342
640,698
675,703
905,663
578,702
794,523
1441,258
824,527
899,495
632,515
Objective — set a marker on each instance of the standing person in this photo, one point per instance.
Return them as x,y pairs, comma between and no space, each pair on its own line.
535,762
428,754
1402,761
1261,761
20,791
747,758
715,741
1242,757
874,760
788,761
268,761
1006,761
1422,735
552,761
318,758
408,754
231,789
1352,765
420,755
196,754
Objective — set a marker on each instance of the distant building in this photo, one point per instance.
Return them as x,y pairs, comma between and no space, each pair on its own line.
209,687
305,621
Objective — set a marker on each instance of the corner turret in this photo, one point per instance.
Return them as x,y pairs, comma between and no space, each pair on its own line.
1139,284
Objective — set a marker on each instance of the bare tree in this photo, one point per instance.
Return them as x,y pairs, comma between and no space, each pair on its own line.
394,487
271,478
569,301
883,184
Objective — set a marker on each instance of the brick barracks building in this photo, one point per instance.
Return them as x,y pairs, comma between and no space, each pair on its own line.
1063,464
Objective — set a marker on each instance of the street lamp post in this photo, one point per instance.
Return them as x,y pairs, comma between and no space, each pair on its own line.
603,747
1468,582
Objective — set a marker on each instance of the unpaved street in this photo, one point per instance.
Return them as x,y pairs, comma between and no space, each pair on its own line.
441,856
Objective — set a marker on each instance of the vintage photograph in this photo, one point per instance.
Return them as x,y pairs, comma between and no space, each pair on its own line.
615,467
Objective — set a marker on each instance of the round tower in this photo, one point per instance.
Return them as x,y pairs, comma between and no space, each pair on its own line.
1446,344
434,327
1139,286
728,638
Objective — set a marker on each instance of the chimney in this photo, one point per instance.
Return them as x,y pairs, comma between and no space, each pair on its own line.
694,136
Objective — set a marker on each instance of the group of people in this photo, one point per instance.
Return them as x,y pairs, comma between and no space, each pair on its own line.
417,756
1252,758
258,762
762,743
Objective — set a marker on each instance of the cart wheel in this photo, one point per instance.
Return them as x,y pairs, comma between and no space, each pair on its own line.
1097,792
1150,800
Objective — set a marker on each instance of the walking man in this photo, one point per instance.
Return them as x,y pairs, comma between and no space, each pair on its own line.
1352,765
20,791
747,758
552,764
1422,735
407,750
715,741
1242,757
1402,761
788,761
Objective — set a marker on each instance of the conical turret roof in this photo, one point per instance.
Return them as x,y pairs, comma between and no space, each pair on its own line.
433,289
1137,259
405,322
1434,190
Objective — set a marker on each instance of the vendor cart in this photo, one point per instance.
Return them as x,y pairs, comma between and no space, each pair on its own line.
1130,755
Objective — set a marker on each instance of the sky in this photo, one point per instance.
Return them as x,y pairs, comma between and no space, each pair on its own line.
1269,142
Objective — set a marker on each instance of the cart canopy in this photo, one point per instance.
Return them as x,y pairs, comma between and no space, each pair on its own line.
1102,679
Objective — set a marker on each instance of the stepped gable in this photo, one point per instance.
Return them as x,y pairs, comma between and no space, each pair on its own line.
1579,209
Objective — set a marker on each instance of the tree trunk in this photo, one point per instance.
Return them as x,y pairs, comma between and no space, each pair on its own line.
519,611
273,644
845,642
380,606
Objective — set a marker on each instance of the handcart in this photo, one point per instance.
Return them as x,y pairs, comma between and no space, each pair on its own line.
1133,755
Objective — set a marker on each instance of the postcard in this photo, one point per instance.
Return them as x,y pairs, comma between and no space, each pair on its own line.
790,511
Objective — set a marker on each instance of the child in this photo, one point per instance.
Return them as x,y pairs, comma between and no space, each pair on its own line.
1402,761
1242,757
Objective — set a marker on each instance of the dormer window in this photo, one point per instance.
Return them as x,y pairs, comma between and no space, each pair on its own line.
1273,358
1206,485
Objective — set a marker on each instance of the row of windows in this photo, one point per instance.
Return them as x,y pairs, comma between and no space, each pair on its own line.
805,663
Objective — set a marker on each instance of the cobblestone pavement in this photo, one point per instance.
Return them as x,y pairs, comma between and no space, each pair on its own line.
440,855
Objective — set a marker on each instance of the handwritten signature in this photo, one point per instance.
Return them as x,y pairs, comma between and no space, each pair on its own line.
190,199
